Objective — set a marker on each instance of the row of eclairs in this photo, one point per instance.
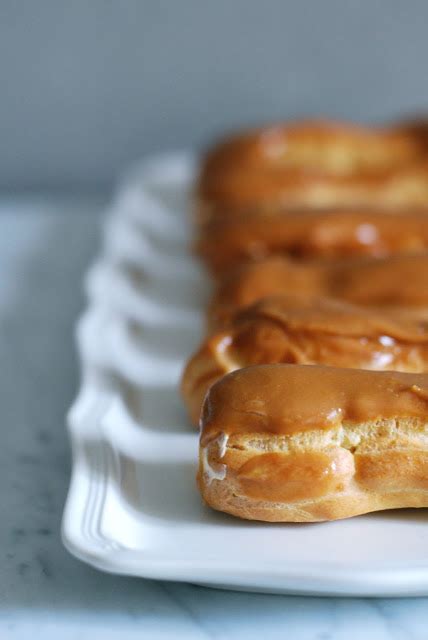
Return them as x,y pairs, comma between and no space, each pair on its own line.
310,386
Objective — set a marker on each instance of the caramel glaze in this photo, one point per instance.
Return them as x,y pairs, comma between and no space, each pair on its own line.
337,147
336,233
306,330
400,281
315,164
287,399
239,192
333,317
298,330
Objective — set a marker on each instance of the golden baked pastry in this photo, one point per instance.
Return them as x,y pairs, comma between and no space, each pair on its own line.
306,330
291,443
377,282
334,233
316,164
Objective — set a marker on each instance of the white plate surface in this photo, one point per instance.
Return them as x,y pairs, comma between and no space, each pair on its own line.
133,507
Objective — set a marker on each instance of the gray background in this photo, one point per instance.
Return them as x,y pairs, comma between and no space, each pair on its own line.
87,86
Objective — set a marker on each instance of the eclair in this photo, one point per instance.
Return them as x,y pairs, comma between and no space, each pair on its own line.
311,234
306,330
400,281
292,443
315,164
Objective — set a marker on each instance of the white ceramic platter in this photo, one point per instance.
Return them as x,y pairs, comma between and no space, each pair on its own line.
133,507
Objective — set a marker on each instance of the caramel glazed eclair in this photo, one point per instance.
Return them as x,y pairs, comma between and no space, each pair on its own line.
292,443
399,281
309,234
315,164
306,330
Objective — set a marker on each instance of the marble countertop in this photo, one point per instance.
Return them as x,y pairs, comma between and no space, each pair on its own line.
46,244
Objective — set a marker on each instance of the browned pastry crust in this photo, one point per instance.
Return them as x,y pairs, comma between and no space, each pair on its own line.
291,443
335,233
316,164
306,330
378,282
